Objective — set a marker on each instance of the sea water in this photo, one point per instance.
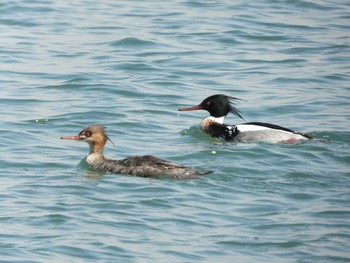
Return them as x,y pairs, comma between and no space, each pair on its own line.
129,65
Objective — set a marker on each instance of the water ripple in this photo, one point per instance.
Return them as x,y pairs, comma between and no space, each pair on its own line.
130,66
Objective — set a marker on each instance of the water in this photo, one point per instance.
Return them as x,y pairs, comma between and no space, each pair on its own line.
129,65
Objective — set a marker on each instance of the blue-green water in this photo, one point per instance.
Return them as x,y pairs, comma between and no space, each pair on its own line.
129,65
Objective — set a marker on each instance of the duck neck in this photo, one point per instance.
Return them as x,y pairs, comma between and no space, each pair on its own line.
217,119
95,153
96,148
212,119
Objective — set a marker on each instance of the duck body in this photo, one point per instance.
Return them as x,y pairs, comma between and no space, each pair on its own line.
220,105
142,166
251,132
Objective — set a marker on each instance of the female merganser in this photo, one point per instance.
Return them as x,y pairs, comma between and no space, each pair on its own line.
143,166
220,105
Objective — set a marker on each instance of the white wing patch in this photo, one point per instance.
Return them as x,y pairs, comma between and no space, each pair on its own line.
256,133
251,127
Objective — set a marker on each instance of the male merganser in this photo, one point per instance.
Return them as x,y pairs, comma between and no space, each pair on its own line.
220,105
143,166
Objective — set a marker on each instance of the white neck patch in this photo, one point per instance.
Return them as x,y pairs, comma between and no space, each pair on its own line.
216,119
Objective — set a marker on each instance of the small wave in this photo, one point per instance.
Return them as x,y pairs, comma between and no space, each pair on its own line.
133,42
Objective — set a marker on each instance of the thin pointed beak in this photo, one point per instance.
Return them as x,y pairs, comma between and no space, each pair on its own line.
74,138
191,108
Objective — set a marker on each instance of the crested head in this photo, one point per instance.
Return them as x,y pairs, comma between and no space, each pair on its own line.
220,105
94,134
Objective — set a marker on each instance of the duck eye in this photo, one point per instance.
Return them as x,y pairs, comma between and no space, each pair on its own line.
208,103
88,134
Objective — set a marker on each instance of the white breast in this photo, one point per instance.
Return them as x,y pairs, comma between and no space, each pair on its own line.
209,120
93,158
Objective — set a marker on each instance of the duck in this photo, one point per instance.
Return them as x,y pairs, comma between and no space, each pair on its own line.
220,105
141,166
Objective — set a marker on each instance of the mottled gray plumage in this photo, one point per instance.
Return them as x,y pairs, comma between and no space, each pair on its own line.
143,166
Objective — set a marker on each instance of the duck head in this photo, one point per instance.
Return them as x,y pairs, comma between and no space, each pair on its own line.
218,105
94,135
